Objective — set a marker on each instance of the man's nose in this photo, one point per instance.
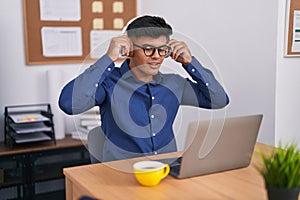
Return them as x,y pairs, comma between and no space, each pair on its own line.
156,54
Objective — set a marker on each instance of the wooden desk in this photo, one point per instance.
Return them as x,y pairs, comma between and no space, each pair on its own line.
24,167
103,181
67,142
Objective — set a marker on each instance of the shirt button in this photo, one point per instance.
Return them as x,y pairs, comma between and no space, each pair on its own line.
153,134
193,70
155,152
152,116
153,98
206,84
109,69
96,84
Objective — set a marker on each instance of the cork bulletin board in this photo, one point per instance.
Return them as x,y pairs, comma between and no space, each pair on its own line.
60,31
293,28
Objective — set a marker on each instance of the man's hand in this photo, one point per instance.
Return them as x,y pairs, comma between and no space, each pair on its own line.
115,46
180,52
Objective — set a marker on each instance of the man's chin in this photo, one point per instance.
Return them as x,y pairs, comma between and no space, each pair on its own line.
154,72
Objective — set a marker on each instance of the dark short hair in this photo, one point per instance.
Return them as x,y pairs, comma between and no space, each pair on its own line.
152,26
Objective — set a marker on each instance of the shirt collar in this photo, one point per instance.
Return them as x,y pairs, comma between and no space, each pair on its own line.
126,73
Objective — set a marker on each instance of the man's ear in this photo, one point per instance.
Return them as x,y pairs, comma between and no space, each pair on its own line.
131,53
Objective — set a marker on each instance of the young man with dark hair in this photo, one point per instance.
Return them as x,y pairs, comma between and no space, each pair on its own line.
138,103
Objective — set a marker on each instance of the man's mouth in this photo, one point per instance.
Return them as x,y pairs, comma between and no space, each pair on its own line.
154,65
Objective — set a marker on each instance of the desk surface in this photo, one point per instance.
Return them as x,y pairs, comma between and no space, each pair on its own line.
39,146
104,181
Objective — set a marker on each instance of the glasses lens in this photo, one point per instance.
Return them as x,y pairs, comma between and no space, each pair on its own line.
163,51
149,51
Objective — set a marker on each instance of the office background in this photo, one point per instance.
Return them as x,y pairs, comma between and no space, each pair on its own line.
245,40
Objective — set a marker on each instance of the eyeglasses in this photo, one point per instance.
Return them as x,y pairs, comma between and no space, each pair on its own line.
149,51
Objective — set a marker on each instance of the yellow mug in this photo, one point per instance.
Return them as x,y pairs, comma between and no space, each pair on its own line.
150,173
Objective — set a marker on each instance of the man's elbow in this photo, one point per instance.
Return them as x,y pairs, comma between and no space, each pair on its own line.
65,106
221,103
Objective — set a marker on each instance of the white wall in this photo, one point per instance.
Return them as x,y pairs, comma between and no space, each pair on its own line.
287,120
19,83
240,37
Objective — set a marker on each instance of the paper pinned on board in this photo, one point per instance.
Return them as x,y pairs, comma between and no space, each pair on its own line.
118,23
57,10
61,41
97,7
100,41
296,32
98,23
118,7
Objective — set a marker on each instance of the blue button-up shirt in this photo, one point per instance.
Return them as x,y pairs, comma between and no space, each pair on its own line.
137,117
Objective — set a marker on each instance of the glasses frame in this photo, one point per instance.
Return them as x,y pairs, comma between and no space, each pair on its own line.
154,50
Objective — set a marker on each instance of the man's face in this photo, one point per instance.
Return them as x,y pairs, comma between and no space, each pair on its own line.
145,67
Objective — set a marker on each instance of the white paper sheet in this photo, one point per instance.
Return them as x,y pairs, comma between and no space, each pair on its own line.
100,41
57,10
61,41
28,117
296,32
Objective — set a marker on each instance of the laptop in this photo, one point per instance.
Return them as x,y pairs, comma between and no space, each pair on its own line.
216,145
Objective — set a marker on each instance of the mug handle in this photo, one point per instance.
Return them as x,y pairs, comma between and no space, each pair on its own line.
166,171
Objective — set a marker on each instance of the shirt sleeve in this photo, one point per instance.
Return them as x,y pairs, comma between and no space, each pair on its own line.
79,95
207,91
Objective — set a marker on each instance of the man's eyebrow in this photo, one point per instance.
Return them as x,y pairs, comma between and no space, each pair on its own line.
149,45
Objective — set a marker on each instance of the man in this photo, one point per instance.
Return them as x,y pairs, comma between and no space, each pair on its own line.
138,104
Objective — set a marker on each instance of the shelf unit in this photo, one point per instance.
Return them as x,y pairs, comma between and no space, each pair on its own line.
28,124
